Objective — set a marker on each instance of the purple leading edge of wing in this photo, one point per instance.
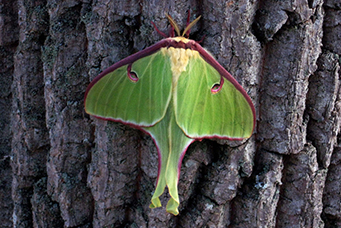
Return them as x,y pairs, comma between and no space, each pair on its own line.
128,60
193,45
226,75
171,42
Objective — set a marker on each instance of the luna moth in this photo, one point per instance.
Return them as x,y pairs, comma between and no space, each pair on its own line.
176,92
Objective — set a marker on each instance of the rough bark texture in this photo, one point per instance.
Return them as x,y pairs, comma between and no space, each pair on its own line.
62,168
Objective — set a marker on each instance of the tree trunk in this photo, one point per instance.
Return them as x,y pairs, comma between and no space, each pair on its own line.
62,168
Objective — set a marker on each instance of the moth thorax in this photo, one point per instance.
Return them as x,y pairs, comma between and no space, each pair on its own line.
179,58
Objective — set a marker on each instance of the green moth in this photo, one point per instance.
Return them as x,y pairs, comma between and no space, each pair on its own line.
176,92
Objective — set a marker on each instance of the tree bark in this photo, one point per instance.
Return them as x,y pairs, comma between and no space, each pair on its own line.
62,168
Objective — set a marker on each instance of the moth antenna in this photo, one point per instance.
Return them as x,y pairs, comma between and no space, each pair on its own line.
173,24
188,28
158,31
